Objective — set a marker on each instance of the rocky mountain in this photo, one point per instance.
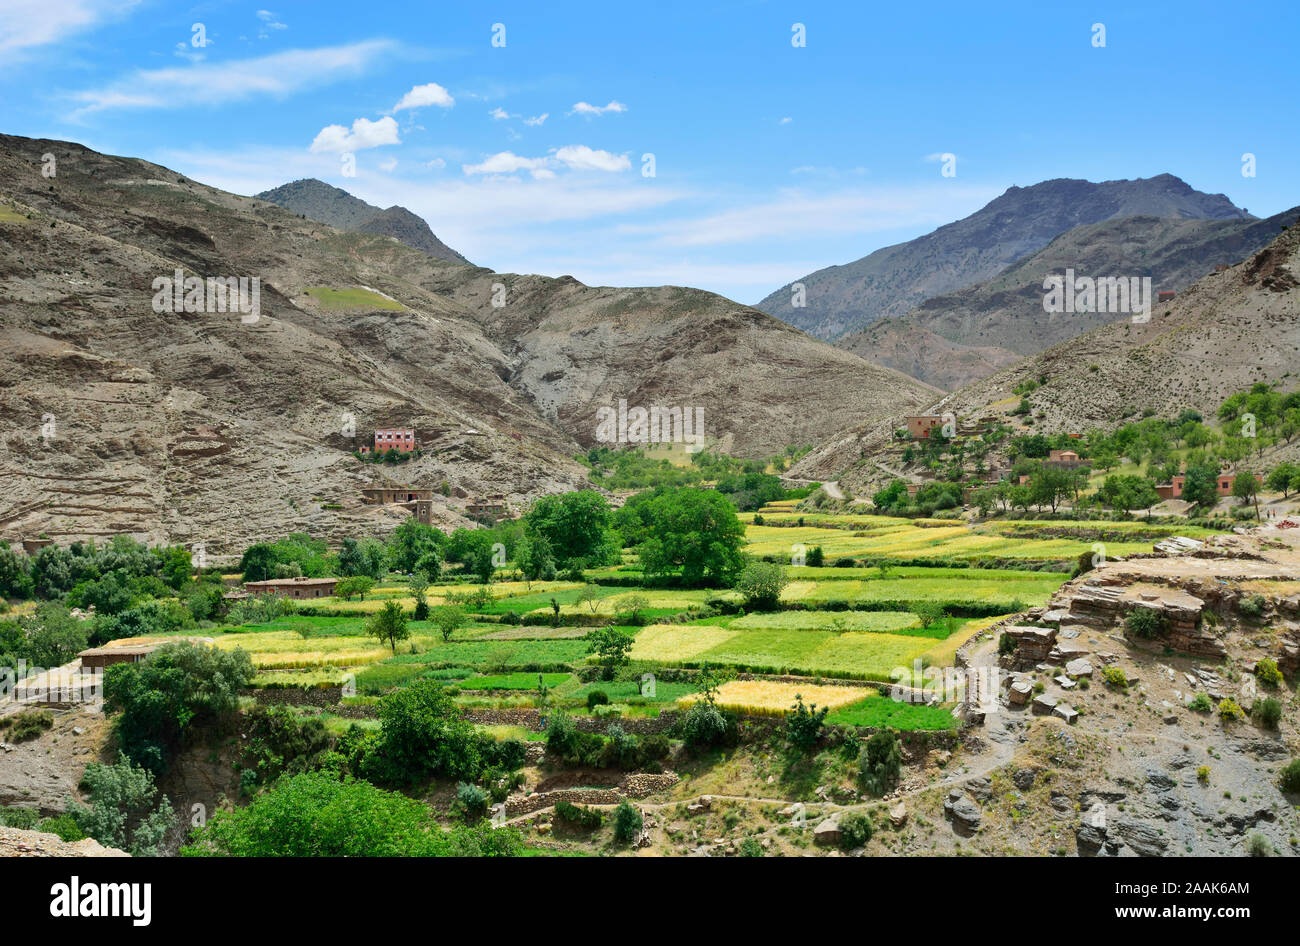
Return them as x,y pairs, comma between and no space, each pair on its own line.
1227,331
317,200
893,280
953,339
123,412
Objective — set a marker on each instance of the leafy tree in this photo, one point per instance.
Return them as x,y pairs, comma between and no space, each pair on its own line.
53,635
1281,478
627,822
357,585
15,579
803,724
1127,491
412,541
576,527
695,533
389,625
122,813
1201,485
178,690
760,583
419,586
631,606
1246,488
881,762
535,560
611,645
448,619
422,734
589,595
258,562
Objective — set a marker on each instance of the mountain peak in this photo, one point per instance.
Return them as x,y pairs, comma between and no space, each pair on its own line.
317,200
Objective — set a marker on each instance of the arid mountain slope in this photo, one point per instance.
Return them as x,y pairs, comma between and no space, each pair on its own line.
896,279
1224,333
954,339
319,201
210,427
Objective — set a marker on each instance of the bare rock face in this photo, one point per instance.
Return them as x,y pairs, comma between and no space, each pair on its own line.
15,842
1033,645
193,424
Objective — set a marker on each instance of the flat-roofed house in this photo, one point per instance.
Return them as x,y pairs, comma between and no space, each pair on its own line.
297,588
920,425
401,439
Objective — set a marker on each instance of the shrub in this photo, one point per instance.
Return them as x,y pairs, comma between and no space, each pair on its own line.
627,822
855,830
760,584
1229,710
1006,644
1253,606
472,799
705,725
313,815
1203,774
750,847
1267,711
597,698
1266,672
1290,779
803,724
29,724
1201,703
579,816
1145,623
881,762
1115,677
122,812
1258,846
421,734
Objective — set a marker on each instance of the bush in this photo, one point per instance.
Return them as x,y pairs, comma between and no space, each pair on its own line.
1290,779
597,698
1115,677
313,815
1229,710
881,762
1266,672
1145,623
122,812
421,734
705,725
627,822
29,724
1203,774
1258,846
472,799
1253,606
750,847
579,816
1006,644
1201,703
1267,712
855,830
803,724
760,584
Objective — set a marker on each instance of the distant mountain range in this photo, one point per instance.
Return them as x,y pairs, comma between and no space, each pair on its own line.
896,279
953,339
319,201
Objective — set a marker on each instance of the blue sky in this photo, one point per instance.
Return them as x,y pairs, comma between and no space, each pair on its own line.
770,160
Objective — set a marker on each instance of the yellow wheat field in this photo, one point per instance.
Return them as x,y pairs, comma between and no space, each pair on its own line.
772,698
669,642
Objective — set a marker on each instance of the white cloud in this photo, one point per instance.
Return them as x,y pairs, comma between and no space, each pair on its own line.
582,158
277,75
387,166
506,162
436,164
499,114
583,108
29,23
269,22
335,139
537,119
785,121
420,96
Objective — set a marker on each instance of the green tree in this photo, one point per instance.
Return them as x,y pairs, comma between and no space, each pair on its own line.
15,578
881,762
535,560
1246,488
611,646
178,691
1201,485
412,541
54,636
422,734
803,724
356,586
258,562
419,586
576,527
760,583
448,619
388,625
122,812
695,533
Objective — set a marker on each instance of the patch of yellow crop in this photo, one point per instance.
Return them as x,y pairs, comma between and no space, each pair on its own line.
668,642
797,589
286,650
770,697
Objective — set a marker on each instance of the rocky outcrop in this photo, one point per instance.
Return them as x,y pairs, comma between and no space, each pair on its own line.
15,842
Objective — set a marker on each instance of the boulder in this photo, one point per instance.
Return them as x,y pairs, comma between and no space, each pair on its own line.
1043,704
963,812
898,815
1020,692
1066,712
1079,668
827,833
1091,833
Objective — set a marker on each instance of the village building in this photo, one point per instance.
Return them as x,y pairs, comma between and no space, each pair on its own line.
107,656
401,439
920,425
493,507
1165,295
296,588
417,500
32,546
1174,488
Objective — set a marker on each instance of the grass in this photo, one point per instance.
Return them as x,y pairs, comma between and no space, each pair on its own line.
879,621
881,711
513,681
354,298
